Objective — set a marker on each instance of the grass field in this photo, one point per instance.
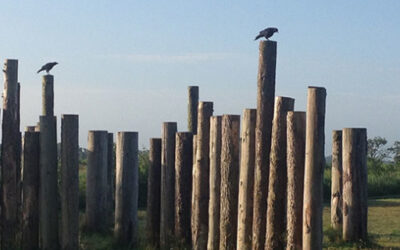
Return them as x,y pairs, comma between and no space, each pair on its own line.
383,228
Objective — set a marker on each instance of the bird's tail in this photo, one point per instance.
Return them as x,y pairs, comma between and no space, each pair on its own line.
39,71
257,37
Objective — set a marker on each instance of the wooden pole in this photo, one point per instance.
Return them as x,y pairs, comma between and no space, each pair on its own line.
194,179
127,188
355,207
30,191
30,128
110,177
48,95
48,191
246,183
193,93
154,191
265,112
314,169
69,182
183,186
167,183
278,176
296,142
229,181
336,186
215,182
96,181
202,171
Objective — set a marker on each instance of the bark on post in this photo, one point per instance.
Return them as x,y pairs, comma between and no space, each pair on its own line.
275,238
265,112
183,186
296,142
69,182
193,93
110,177
314,169
48,191
10,158
355,207
96,181
48,95
154,191
336,186
167,183
215,182
229,181
246,179
30,192
127,188
202,171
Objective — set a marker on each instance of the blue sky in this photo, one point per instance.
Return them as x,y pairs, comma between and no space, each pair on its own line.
126,65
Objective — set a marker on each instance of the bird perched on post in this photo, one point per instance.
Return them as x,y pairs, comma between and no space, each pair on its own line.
48,67
267,33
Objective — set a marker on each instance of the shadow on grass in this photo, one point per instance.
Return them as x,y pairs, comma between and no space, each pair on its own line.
335,241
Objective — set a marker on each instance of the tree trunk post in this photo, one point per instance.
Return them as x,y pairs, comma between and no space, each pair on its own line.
110,178
193,93
336,186
48,95
194,184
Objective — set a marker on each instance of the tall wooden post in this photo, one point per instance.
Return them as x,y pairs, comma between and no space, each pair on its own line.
278,176
30,191
69,182
265,112
194,179
10,158
154,191
48,95
355,207
96,181
215,182
110,177
167,183
127,188
314,169
193,93
296,143
246,183
183,186
201,184
336,186
229,181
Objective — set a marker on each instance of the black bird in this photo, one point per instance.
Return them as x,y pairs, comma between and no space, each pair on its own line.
48,67
267,33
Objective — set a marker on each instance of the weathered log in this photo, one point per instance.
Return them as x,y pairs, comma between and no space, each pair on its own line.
193,93
110,178
336,186
48,95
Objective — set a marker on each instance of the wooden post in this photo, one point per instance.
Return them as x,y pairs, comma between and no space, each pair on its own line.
278,176
265,112
30,191
30,128
194,184
246,183
202,171
154,191
110,178
48,95
314,169
215,182
69,182
96,181
48,191
229,181
296,143
193,93
336,186
183,186
167,183
10,155
355,207
127,188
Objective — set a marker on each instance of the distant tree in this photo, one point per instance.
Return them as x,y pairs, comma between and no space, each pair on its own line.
395,151
376,149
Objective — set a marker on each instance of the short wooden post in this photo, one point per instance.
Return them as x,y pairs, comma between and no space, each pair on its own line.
154,191
201,184
229,181
336,186
167,183
127,188
265,112
69,182
193,93
48,95
314,169
183,186
296,143
30,191
246,179
110,178
355,207
96,181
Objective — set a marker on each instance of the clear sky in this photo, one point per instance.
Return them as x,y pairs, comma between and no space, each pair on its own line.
126,65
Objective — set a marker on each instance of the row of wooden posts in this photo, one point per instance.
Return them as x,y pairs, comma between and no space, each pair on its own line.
219,187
